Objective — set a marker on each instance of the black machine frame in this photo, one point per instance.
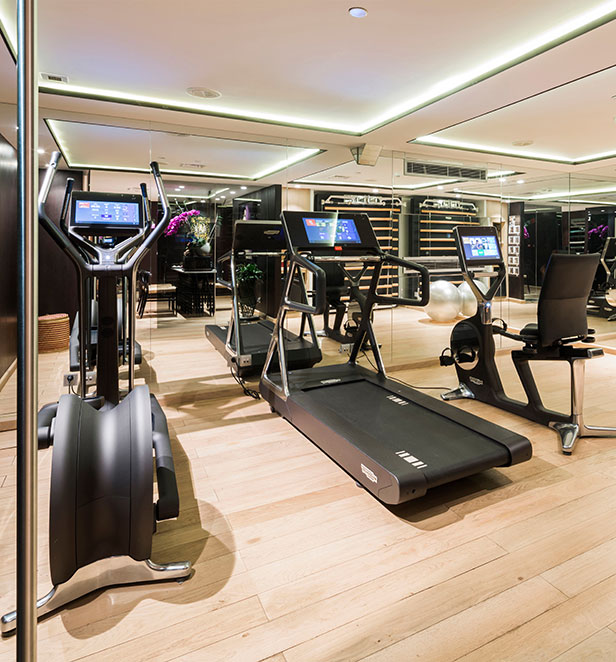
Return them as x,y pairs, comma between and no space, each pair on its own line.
473,352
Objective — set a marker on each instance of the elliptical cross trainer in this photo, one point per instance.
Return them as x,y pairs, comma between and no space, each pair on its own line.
102,513
561,321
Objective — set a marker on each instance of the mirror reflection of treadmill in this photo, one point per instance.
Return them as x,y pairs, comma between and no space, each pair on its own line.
262,243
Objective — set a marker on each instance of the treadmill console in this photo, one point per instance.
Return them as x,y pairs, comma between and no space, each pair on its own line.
330,233
478,246
106,214
259,236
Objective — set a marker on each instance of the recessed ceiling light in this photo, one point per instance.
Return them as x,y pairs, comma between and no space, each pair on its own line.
244,188
231,192
520,181
178,189
203,93
41,150
180,186
458,195
525,142
297,186
358,12
202,200
216,198
375,190
440,188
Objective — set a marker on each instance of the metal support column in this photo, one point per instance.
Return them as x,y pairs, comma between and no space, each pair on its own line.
27,369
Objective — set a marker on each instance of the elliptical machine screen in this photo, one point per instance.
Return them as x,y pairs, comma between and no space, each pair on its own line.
330,231
478,248
105,212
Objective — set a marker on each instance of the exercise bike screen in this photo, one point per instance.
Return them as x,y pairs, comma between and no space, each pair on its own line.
478,248
330,231
104,212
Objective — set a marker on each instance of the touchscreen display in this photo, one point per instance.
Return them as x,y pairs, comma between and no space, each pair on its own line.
106,212
478,248
330,231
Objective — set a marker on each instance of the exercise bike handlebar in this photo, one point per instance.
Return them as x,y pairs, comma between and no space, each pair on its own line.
424,274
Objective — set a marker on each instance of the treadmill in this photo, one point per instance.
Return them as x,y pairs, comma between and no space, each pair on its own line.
244,342
394,440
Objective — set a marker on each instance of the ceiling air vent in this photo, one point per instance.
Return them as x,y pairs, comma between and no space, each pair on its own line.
438,170
54,78
192,166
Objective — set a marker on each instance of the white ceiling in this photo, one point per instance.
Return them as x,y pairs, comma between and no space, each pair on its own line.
313,64
86,145
322,66
575,122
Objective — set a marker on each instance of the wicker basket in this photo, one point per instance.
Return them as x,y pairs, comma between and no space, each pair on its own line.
54,332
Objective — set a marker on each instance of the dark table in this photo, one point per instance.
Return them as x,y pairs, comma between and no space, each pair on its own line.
196,291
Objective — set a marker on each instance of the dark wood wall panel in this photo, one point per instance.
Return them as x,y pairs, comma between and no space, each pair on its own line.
58,292
9,224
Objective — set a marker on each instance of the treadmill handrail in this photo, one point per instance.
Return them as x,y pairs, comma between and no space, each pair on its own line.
411,266
318,286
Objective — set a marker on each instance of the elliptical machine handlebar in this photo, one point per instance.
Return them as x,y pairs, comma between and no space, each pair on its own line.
161,226
124,247
52,229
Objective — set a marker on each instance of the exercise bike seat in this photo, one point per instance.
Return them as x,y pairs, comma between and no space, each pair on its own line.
530,332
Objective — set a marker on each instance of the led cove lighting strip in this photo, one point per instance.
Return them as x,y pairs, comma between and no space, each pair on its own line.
406,187
557,196
302,155
569,194
475,147
201,197
599,14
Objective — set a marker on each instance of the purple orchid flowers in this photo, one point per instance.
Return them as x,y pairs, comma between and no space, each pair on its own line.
176,222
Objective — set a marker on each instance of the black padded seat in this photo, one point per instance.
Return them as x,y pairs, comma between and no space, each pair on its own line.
530,331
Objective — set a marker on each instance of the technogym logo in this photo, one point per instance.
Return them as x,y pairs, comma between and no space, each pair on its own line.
397,400
370,475
411,459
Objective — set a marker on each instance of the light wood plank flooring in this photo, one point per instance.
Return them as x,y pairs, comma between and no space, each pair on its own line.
295,563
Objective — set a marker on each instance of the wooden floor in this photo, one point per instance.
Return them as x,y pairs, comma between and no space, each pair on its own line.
293,562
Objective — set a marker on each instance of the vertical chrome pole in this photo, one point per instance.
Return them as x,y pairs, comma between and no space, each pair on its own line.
27,372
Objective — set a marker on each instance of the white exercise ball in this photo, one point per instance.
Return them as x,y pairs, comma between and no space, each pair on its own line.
445,301
468,298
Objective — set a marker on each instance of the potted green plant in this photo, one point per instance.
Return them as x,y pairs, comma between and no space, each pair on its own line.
247,276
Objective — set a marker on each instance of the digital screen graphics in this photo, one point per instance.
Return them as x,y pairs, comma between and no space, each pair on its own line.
330,231
477,248
105,212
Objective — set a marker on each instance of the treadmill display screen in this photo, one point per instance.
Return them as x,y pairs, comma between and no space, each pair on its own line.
330,231
107,212
479,248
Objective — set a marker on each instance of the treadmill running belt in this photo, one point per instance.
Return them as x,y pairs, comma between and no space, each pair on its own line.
449,449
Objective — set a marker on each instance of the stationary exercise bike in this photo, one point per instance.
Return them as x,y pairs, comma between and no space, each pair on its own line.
102,512
561,321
